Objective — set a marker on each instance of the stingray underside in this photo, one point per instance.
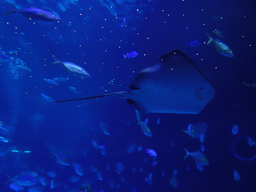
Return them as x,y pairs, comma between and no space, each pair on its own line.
173,85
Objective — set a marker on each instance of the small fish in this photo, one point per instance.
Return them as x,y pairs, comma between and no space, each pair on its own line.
151,152
197,131
78,169
236,175
131,55
119,168
62,159
199,158
251,142
174,181
139,148
149,179
158,121
194,43
4,140
26,180
202,147
99,175
43,180
33,13
146,121
145,129
131,147
61,79
53,184
75,90
47,98
52,174
104,128
4,127
102,149
174,172
249,85
220,46
50,81
235,129
95,145
74,69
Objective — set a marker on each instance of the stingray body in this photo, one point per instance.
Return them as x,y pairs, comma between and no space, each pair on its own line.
173,85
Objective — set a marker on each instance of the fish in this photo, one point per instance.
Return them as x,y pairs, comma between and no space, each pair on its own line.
236,175
78,169
34,13
50,81
26,180
145,129
174,181
151,152
47,98
131,147
166,87
4,140
102,149
197,131
131,55
174,172
235,129
62,159
119,168
199,158
149,179
99,175
61,79
105,129
4,127
52,174
73,68
220,46
194,43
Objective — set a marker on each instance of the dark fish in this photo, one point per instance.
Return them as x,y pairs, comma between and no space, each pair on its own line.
33,13
194,43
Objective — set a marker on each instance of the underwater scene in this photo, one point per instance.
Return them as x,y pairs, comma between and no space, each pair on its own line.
127,95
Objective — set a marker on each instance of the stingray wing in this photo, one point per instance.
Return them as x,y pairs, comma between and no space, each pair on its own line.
173,85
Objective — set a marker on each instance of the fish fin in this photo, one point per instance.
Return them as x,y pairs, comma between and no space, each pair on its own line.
124,56
201,137
187,153
9,12
210,39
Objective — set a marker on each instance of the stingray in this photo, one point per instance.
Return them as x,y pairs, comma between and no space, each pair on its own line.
173,85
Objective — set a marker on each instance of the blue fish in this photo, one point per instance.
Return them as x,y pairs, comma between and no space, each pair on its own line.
33,13
131,55
194,43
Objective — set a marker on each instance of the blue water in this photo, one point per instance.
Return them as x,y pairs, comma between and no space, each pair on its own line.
92,35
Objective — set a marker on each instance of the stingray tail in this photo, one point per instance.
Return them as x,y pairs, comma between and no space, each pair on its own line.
210,39
9,12
118,94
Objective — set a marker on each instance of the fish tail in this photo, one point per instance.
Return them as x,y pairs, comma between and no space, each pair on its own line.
210,39
56,62
9,12
187,153
124,56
